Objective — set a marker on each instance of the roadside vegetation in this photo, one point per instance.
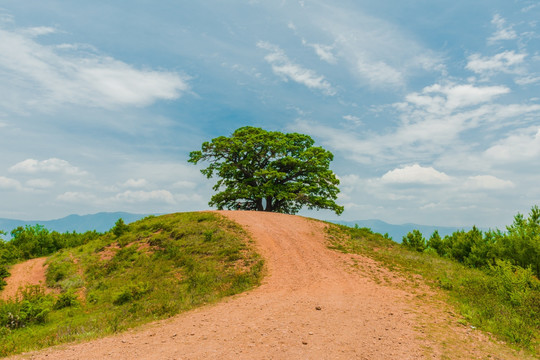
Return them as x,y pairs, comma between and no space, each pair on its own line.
491,278
133,274
36,241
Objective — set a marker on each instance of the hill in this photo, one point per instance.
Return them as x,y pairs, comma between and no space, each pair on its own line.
314,302
151,269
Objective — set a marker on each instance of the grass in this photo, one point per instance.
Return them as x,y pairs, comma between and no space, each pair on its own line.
156,268
504,300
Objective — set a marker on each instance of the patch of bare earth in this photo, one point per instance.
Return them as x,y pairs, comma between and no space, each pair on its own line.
314,303
31,272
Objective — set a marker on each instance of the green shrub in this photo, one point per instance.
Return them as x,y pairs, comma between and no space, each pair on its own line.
59,270
32,308
4,273
66,299
131,292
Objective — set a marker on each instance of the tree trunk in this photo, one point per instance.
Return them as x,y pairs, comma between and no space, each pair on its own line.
269,205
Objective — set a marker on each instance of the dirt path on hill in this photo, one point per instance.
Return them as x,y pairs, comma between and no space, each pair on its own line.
31,272
312,305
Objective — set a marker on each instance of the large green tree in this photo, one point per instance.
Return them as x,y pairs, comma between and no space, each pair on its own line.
269,171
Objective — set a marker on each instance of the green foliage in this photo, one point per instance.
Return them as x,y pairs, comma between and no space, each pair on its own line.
131,292
119,228
32,308
435,242
270,171
66,299
168,264
8,253
32,241
414,241
4,273
35,241
59,270
520,245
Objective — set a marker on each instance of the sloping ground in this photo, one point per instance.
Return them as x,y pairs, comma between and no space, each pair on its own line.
31,272
312,305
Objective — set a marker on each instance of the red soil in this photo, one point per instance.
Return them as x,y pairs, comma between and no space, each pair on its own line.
31,272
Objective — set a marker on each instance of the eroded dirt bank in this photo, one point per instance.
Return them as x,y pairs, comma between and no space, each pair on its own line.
31,272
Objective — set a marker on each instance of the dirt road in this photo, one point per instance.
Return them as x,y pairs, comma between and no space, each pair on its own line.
31,272
311,305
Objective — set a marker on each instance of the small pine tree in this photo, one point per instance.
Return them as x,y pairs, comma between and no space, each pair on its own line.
436,243
414,241
119,228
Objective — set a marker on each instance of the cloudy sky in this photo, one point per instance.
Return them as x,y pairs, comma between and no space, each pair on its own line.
431,108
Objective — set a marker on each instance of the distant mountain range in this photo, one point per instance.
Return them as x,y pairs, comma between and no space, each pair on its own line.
104,221
100,222
396,232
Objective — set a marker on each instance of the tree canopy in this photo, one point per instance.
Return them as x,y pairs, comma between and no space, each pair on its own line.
269,171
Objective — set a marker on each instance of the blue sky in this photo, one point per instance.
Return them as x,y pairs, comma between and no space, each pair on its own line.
432,109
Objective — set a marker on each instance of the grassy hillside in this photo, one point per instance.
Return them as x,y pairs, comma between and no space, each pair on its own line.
150,269
504,299
100,222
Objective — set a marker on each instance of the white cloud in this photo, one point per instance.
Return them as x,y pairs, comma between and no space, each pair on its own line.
76,197
353,119
527,80
39,75
7,183
488,182
377,52
432,124
520,146
6,17
121,84
53,165
529,8
189,198
503,31
455,96
135,183
130,196
286,69
378,72
415,174
40,183
38,31
324,52
505,62
182,184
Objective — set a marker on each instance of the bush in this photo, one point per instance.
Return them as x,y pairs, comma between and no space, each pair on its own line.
515,284
59,270
32,308
67,299
131,292
4,273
